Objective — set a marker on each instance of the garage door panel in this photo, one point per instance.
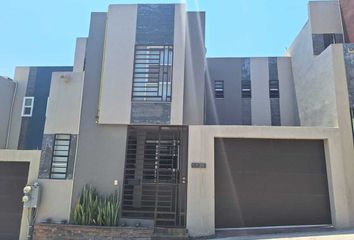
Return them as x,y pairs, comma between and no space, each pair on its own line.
13,177
249,212
277,182
296,162
285,186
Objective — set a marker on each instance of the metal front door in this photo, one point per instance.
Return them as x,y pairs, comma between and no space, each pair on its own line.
155,175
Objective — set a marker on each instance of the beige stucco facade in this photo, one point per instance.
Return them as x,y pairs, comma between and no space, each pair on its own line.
64,103
261,115
80,52
325,17
178,64
201,182
117,65
56,204
7,91
21,78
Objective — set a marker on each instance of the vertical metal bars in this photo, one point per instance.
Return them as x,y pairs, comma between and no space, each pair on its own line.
152,78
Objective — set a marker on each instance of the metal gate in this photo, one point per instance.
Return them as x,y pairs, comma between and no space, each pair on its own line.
155,175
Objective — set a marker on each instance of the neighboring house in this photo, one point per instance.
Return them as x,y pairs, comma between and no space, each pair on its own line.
191,142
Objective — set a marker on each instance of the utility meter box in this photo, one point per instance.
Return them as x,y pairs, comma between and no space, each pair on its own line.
31,197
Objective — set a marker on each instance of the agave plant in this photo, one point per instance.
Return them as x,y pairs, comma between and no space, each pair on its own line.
94,209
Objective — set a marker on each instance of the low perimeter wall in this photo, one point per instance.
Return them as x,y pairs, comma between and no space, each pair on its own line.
75,232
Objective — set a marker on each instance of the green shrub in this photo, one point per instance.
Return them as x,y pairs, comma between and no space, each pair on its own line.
94,209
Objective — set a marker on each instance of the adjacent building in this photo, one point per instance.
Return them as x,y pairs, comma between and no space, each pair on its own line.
189,141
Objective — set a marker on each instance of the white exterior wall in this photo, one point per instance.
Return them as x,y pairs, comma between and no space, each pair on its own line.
118,63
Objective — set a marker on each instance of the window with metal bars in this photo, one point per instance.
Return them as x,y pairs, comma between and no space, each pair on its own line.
274,88
219,89
246,89
61,149
152,78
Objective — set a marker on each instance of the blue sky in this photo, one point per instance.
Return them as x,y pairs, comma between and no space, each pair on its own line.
43,32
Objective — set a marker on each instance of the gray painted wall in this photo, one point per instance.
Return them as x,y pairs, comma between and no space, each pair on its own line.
117,66
7,88
228,111
225,111
194,80
101,148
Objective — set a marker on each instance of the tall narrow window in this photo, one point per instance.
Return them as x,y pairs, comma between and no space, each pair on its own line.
246,89
60,157
274,91
152,73
274,88
27,106
219,89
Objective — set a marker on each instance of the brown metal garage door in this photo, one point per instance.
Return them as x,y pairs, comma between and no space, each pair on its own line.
261,182
13,177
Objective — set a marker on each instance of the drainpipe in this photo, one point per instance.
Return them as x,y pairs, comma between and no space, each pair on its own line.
10,117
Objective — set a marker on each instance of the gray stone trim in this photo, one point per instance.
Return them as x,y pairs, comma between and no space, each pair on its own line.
155,24
275,111
46,156
246,111
349,67
150,113
72,155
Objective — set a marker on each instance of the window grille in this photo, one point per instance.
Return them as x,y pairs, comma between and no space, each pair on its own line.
219,89
60,156
274,88
152,80
246,89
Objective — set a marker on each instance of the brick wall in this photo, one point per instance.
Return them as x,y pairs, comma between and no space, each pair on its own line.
75,232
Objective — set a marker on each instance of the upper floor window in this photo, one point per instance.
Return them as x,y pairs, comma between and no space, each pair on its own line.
61,150
152,80
219,89
27,106
274,88
322,41
246,89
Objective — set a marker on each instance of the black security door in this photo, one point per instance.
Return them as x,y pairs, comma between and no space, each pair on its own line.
155,175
